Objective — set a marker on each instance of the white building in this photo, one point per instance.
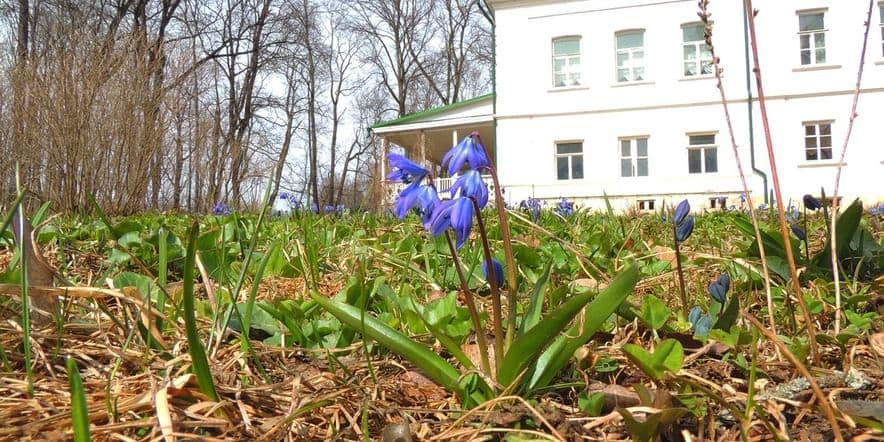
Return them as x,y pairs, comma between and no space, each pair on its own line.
617,97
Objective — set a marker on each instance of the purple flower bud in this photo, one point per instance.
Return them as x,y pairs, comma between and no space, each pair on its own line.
498,271
684,230
812,203
684,207
799,232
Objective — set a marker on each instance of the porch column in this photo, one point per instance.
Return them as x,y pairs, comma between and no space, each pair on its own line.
454,139
422,144
381,180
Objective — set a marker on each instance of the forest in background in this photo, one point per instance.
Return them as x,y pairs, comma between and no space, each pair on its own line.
159,105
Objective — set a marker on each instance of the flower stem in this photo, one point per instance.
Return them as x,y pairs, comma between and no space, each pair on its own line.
681,284
495,290
471,306
508,255
806,243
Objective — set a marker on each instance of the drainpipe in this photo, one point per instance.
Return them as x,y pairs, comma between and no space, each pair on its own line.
494,85
749,103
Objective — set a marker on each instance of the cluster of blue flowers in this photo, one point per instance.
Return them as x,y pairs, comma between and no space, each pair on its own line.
532,206
221,209
291,200
565,207
469,192
701,322
877,210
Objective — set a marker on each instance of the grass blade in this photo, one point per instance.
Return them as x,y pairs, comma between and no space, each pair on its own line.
530,345
532,315
162,273
197,352
79,412
430,363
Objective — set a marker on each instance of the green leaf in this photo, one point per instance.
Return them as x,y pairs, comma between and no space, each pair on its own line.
532,315
430,363
526,348
195,346
845,227
654,312
591,405
729,316
668,356
79,411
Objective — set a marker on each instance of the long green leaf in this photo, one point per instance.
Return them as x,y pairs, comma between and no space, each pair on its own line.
430,363
162,273
532,315
7,219
845,228
553,359
527,347
197,352
103,217
443,339
79,412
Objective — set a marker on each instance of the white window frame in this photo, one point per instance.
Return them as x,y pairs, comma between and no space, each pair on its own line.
633,157
633,62
881,25
811,35
818,138
704,150
570,157
702,59
571,66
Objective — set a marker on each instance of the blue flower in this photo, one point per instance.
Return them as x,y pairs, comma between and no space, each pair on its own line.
423,198
694,315
812,203
702,326
498,271
221,209
799,232
742,197
404,170
456,214
469,152
684,207
684,230
565,207
531,205
762,206
877,210
314,207
283,195
471,185
719,288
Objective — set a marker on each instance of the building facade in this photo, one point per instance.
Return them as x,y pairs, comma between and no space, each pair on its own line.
618,98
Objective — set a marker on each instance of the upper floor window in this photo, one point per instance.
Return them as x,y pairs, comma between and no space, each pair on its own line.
818,140
566,61
702,153
634,157
812,37
697,56
630,56
569,161
881,25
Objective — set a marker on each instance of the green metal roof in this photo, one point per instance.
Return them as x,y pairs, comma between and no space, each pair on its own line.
433,111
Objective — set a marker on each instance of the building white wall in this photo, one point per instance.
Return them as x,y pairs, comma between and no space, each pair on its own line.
532,115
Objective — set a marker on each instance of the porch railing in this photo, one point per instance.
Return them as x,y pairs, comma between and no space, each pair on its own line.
443,187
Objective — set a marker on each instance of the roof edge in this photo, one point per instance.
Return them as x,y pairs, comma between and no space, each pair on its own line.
432,111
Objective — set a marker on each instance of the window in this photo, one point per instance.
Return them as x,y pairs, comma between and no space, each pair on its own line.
569,161
646,205
881,25
812,37
566,61
818,141
702,154
633,157
697,57
630,56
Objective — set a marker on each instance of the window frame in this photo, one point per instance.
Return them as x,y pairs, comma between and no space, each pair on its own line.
570,157
630,65
634,157
881,25
811,35
645,205
699,58
567,69
817,136
703,149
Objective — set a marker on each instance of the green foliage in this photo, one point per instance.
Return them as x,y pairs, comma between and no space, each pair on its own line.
667,357
79,410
